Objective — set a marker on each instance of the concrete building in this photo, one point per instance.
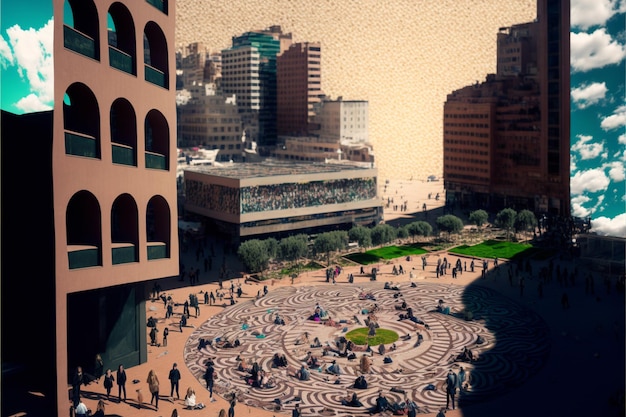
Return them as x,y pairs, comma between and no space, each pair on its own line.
343,120
93,224
506,140
299,89
277,198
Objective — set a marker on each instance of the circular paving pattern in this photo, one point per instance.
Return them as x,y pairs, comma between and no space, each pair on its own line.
516,344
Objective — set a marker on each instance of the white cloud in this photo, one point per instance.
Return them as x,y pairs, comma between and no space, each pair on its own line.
32,103
616,171
617,119
586,95
594,50
577,206
32,54
610,227
587,150
587,13
6,56
621,139
591,180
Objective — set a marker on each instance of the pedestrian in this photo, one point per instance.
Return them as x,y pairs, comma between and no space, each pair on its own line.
98,368
211,298
174,378
121,381
461,379
209,375
77,380
153,336
451,384
108,382
206,298
165,333
411,407
296,411
153,386
231,406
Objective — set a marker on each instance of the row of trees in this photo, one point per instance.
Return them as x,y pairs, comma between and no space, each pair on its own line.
256,254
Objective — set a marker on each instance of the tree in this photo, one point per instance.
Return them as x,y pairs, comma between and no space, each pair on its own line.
449,223
478,217
525,220
402,232
505,219
293,248
383,233
362,235
254,255
419,228
329,242
272,247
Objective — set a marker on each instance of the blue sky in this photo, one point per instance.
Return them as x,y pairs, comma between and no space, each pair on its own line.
598,118
598,138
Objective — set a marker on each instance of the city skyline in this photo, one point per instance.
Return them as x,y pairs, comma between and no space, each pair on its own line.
399,128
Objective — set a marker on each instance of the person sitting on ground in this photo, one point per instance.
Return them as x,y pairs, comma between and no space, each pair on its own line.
316,342
381,349
311,360
365,364
81,409
407,337
279,320
190,399
360,382
402,306
382,404
303,374
334,368
303,339
420,339
279,360
352,401
466,355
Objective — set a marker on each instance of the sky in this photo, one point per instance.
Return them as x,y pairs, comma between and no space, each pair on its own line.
598,137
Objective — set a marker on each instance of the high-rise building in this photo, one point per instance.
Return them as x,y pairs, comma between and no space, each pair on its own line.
299,88
249,71
506,140
94,223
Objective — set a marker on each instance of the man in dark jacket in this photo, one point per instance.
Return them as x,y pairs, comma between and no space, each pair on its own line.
174,378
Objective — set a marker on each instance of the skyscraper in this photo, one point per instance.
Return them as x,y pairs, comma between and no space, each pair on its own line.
249,71
299,88
506,140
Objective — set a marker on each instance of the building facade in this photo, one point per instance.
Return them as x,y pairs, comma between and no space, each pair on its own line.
107,183
278,198
299,88
506,140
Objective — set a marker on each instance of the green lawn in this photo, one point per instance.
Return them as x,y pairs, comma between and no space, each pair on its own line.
359,336
388,252
494,249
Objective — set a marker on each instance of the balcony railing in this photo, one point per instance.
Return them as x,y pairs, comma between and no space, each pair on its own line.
123,154
80,144
120,60
154,76
123,253
83,256
159,4
79,42
155,161
157,250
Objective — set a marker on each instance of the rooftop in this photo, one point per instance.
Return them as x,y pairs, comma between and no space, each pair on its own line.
271,168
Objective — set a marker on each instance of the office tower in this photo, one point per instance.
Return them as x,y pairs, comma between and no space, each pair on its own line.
299,88
506,140
94,223
249,71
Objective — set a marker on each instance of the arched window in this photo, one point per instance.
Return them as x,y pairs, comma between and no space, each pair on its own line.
158,226
159,4
123,132
155,55
80,28
121,39
81,121
157,138
83,231
124,230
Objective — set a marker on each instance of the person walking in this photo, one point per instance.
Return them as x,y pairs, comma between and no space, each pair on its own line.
209,376
121,381
231,407
174,378
296,412
153,386
77,380
451,382
108,382
165,333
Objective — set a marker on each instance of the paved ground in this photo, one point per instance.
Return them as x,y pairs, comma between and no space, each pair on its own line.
575,368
